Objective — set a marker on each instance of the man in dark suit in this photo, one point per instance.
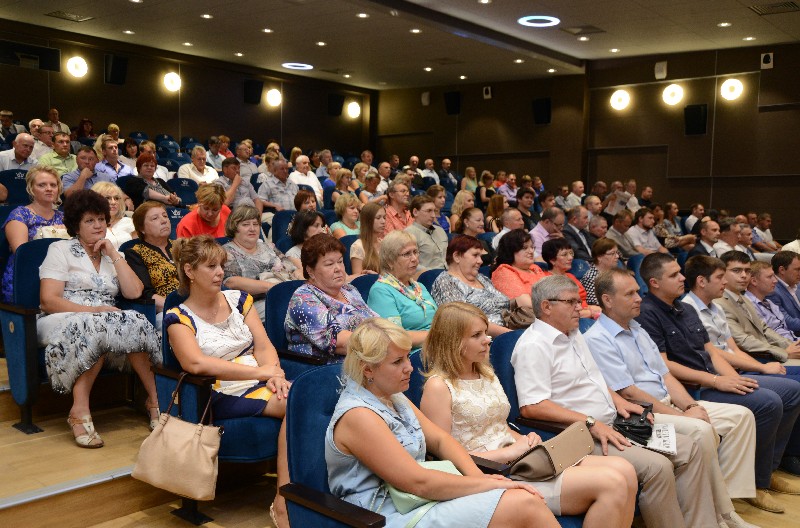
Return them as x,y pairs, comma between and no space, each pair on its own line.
709,235
786,265
576,234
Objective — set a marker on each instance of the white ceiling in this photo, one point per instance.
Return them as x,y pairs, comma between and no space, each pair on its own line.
458,37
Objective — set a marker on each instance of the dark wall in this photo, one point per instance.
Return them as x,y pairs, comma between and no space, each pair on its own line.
211,100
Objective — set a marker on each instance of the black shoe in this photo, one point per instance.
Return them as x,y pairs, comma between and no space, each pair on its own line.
791,465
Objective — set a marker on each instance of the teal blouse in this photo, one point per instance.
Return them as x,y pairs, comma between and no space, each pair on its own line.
399,309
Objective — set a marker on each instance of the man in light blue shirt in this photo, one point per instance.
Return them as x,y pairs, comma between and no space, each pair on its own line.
110,165
632,366
762,283
84,176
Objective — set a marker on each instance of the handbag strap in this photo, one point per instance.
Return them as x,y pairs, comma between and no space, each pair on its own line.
419,513
175,392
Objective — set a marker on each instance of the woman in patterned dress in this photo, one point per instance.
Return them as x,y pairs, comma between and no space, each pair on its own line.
80,327
44,187
464,397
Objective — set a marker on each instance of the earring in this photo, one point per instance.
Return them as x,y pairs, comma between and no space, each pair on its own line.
369,380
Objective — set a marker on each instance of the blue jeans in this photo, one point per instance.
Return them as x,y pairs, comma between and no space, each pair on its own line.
775,405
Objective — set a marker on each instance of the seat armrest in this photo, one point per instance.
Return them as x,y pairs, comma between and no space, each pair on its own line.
332,507
302,358
202,381
543,425
490,467
14,308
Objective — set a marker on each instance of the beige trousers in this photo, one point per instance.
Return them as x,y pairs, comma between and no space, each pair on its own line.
675,489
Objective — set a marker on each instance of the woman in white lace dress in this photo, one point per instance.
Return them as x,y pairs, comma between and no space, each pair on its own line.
80,327
465,398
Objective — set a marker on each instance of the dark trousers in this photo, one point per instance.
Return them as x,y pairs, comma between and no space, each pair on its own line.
775,405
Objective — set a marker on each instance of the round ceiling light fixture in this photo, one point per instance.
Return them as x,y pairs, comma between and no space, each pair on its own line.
353,109
672,94
731,89
538,21
297,66
172,82
620,100
77,67
274,97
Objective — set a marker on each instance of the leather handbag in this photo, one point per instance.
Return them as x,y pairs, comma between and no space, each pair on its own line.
517,317
181,457
550,458
636,427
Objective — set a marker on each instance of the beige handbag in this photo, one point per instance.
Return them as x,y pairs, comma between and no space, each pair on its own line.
179,456
551,457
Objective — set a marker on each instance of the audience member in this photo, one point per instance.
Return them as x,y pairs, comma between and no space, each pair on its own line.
150,188
110,164
514,271
325,158
431,239
213,157
464,397
303,175
447,177
558,254
486,189
744,245
494,212
43,143
605,256
786,265
305,200
396,296
622,222
679,333
238,189
398,216
60,159
347,210
9,129
762,284
345,184
277,191
53,120
762,236
84,177
197,170
511,219
471,224
709,235
470,180
558,380
697,214
729,232
246,167
370,192
509,188
430,171
593,206
305,225
794,245
437,192
550,227
561,199
120,227
632,366
210,215
646,198
131,153
80,328
598,227
575,197
464,282
324,312
20,156
525,199
575,232
642,236
365,252
224,143
463,200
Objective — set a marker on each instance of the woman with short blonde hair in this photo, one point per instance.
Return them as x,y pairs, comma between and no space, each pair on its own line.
121,228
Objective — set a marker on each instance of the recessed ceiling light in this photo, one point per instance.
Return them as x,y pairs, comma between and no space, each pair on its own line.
538,21
518,61
207,16
614,50
415,31
297,66
346,75
749,38
583,38
463,77
129,32
188,44
267,30
484,1
136,1
428,68
551,70
238,54
362,15
320,43
724,24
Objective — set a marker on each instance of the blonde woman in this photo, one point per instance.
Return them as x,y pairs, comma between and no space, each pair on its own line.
465,398
470,180
344,184
296,151
121,228
360,171
371,406
463,200
347,209
365,252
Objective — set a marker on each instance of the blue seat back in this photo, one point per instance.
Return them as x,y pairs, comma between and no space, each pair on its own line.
327,197
348,241
26,277
330,216
5,249
427,278
128,244
185,189
500,357
487,237
427,181
304,187
414,392
277,304
284,244
14,181
175,215
585,323
364,283
579,268
159,138
186,140
486,271
634,263
138,136
280,223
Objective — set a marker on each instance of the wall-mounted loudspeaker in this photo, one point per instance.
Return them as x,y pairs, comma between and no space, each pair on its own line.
335,104
542,111
487,92
695,117
452,103
252,91
426,98
116,69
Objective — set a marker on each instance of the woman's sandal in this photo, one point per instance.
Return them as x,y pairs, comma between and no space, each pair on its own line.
153,421
90,439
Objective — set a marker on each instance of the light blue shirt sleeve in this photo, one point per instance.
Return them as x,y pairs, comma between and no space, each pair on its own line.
609,358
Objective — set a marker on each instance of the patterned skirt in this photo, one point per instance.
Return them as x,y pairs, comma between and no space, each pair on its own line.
75,342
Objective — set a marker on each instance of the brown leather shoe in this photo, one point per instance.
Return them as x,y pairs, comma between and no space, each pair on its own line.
782,484
764,501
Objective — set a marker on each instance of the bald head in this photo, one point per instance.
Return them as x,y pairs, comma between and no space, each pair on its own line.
23,146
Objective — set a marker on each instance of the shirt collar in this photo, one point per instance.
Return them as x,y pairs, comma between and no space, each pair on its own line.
551,334
755,299
697,301
791,289
675,307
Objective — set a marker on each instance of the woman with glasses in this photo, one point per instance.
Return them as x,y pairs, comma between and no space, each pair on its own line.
147,186
558,253
605,256
396,296
121,228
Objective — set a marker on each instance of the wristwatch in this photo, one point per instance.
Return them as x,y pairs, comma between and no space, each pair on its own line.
589,422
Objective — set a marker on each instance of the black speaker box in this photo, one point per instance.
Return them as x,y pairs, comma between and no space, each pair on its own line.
542,111
695,117
252,91
452,103
116,69
335,104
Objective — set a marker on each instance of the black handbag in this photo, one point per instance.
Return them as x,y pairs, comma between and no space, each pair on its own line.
636,427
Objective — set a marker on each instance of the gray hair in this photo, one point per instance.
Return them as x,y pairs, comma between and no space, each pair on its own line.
596,220
549,288
392,245
198,149
508,213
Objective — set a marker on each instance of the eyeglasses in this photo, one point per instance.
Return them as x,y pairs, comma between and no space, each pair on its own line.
571,302
409,254
613,254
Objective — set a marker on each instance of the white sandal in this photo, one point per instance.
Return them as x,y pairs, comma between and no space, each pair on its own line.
90,439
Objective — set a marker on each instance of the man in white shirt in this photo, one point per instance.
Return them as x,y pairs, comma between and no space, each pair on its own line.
303,175
246,167
617,199
762,236
509,188
431,239
213,156
384,171
20,157
709,235
558,380
197,170
58,126
429,171
642,236
633,201
698,212
512,219
575,197
729,231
